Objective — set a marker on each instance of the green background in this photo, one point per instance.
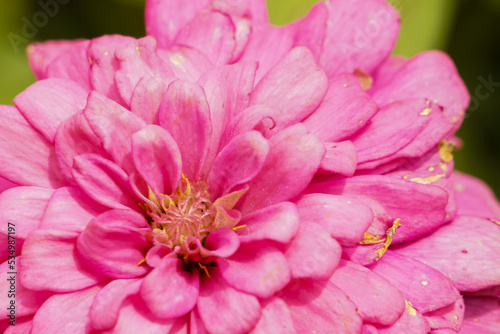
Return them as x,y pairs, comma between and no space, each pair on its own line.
468,30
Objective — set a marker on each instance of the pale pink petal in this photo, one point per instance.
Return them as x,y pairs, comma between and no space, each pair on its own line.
212,33
293,159
448,317
104,64
31,165
279,222
360,34
114,125
72,64
224,309
169,291
186,63
345,109
52,253
147,97
432,76
242,34
112,245
276,318
24,207
376,299
108,301
185,114
410,322
346,219
259,118
294,87
420,207
465,250
157,158
313,253
104,181
65,313
164,19
41,55
317,307
340,158
238,163
482,315
47,103
257,268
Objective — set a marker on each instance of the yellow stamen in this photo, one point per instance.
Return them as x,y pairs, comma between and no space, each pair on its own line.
204,268
389,236
238,227
141,262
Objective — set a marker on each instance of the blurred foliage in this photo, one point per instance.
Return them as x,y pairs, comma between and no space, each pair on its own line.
466,29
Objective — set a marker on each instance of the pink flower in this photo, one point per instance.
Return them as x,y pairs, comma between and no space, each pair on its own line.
223,175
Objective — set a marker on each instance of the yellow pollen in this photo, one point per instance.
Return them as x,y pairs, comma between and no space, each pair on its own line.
446,150
410,309
424,283
370,239
141,262
428,180
238,227
204,268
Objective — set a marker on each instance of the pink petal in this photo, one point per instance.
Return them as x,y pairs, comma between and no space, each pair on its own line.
51,253
311,30
157,158
294,87
23,326
211,32
450,316
41,55
224,309
112,244
24,207
104,182
47,103
169,291
360,34
32,165
335,213
257,269
340,158
223,243
313,253
259,118
474,197
276,318
319,307
184,110
462,250
114,125
195,323
279,222
242,34
104,64
482,315
72,64
107,303
426,288
345,109
74,319
376,299
164,19
69,209
280,178
147,97
432,76
186,63
6,184
238,163
420,207
411,322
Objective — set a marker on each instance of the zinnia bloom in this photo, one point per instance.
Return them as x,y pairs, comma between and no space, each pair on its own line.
223,175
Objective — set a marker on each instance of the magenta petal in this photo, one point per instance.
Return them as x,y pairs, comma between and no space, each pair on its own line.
51,253
376,299
294,87
257,269
238,163
24,207
147,97
448,317
344,218
47,103
50,320
23,326
169,291
107,303
410,322
41,55
114,125
112,244
482,315
340,158
157,158
34,164
462,250
279,222
222,242
224,309
104,182
311,30
313,253
293,159
187,64
319,307
164,19
212,33
185,114
276,318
